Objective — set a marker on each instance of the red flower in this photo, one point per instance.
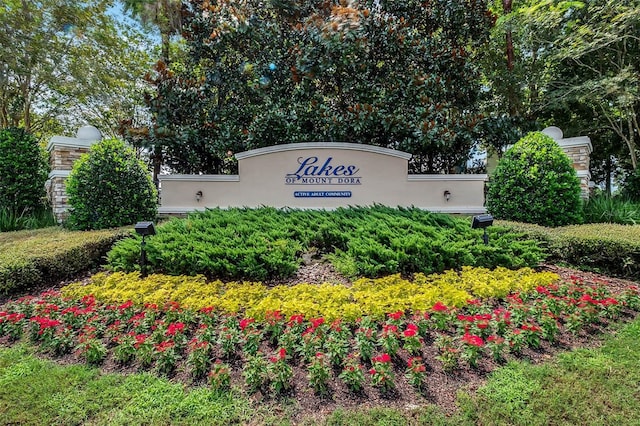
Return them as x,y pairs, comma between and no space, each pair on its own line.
495,339
388,329
439,307
382,358
316,322
207,310
282,353
296,319
336,325
396,315
409,332
245,322
172,306
542,290
175,327
416,364
126,305
163,346
473,340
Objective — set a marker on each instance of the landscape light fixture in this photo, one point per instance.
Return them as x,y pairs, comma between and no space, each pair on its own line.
447,195
198,196
482,221
144,229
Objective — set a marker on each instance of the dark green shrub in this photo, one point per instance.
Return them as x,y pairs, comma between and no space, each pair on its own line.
34,259
535,182
110,187
631,186
23,172
611,249
266,243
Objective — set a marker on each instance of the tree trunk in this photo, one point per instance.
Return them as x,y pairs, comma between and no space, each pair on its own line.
506,6
164,55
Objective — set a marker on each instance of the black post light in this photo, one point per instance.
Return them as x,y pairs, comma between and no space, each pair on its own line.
144,229
483,221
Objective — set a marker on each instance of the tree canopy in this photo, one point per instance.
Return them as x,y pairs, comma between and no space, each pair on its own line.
65,63
398,74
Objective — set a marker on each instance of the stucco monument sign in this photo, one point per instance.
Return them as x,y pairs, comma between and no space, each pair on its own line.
323,175
310,175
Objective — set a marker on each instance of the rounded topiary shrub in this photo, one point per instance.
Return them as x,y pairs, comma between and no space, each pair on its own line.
535,182
23,172
110,187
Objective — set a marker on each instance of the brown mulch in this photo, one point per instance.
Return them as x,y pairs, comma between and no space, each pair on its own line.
441,387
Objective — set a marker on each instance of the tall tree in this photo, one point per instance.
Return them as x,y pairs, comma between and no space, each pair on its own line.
166,16
599,50
65,63
397,74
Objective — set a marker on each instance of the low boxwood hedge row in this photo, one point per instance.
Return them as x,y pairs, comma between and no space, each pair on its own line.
35,258
608,248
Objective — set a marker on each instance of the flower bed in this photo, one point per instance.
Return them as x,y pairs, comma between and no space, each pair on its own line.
370,297
281,354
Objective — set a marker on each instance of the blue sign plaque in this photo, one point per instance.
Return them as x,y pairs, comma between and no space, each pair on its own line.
322,194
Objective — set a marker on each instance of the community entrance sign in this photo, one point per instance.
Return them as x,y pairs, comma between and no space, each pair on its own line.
323,175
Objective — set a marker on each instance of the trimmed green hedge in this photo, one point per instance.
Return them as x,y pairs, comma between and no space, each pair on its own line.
267,243
608,248
35,258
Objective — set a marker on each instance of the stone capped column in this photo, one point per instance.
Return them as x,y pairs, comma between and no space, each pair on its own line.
578,149
63,152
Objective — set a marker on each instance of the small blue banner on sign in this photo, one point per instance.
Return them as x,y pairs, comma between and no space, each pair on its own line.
322,194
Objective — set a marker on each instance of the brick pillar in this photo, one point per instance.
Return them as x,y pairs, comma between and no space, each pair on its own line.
579,150
63,152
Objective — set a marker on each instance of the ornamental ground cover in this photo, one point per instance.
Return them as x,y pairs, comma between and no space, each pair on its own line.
294,355
267,243
366,296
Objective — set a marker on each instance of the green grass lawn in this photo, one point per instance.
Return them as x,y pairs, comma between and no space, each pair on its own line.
588,386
